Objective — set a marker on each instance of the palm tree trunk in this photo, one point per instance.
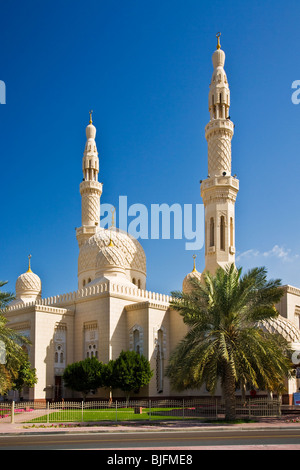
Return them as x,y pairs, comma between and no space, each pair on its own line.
229,394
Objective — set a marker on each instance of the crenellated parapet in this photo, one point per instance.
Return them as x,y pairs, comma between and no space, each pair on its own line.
96,290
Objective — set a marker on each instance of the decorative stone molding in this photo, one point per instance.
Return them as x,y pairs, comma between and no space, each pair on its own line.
55,304
91,339
140,331
90,325
39,306
297,310
292,290
60,326
60,348
142,305
21,325
156,329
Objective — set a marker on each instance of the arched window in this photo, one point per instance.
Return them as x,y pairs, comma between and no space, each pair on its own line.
231,231
83,283
134,281
222,233
136,341
136,338
139,283
212,232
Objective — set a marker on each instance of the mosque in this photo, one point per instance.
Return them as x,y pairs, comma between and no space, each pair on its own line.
112,310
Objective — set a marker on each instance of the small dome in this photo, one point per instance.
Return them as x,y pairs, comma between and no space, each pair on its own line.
187,286
283,327
90,131
28,286
218,58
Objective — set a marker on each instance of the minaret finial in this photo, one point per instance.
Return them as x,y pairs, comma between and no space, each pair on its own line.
113,209
218,37
91,112
29,268
194,269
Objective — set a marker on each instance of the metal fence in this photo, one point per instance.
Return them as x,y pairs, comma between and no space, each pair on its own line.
138,410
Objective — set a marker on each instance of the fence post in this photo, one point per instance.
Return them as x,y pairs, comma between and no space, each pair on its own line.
216,407
82,411
48,411
149,410
12,417
183,408
249,407
116,411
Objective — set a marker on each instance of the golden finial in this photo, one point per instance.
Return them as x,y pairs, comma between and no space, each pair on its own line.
113,210
29,269
91,112
218,36
194,269
111,243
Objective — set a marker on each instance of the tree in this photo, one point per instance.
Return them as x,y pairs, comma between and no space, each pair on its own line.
224,343
5,380
130,372
11,345
5,297
85,376
26,376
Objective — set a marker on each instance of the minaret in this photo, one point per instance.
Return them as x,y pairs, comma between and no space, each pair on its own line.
220,189
90,188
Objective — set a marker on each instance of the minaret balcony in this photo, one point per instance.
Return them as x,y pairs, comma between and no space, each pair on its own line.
222,180
219,188
91,186
218,125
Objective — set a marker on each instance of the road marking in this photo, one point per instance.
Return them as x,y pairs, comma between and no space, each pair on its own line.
142,439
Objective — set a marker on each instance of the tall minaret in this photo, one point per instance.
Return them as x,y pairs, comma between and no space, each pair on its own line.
220,189
90,188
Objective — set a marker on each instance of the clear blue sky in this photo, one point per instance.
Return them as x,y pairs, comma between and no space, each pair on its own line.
144,67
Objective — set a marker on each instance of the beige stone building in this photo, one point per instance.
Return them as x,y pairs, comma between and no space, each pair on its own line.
112,310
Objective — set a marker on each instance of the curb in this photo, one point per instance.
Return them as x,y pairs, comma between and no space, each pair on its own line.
85,430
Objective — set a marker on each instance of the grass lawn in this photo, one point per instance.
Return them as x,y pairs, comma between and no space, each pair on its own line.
123,414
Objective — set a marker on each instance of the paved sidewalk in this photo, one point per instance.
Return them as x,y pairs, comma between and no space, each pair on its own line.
285,422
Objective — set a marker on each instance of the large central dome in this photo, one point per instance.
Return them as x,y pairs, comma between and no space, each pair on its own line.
130,250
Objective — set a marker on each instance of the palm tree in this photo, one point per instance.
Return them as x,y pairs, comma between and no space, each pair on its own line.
11,345
223,344
5,297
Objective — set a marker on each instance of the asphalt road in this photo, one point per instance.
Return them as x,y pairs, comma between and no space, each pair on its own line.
152,440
